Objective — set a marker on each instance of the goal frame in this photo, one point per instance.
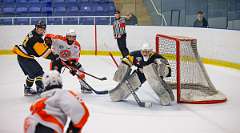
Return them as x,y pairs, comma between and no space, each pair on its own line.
178,39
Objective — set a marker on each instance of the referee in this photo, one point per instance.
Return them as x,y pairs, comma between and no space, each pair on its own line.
120,33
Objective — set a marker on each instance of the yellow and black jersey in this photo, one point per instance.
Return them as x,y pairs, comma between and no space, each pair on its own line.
136,58
32,46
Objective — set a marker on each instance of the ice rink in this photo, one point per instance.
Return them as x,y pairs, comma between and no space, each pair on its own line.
125,117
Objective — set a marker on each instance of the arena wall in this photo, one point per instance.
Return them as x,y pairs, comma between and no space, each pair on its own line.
216,46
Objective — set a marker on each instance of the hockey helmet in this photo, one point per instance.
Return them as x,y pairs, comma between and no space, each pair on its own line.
52,80
40,24
71,32
146,47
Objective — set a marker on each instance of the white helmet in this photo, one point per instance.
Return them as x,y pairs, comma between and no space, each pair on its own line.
146,47
52,80
71,32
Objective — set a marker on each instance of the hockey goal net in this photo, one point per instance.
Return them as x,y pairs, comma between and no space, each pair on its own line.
189,76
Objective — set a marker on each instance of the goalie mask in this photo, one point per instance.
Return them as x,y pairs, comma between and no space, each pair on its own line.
146,50
52,80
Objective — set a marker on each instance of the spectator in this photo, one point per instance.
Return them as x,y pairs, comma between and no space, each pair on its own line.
120,34
201,20
131,19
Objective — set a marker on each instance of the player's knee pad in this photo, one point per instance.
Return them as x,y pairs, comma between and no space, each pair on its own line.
37,75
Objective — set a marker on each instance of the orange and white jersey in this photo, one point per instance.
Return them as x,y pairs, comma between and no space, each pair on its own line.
61,47
53,109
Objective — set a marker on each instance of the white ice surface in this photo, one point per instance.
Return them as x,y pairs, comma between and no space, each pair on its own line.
125,117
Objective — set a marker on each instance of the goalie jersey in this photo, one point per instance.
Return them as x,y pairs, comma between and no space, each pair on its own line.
60,47
138,60
53,109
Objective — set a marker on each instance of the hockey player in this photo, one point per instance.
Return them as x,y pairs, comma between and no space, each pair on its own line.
150,66
33,46
49,114
68,49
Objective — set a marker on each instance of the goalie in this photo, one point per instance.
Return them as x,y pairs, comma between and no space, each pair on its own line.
68,49
149,66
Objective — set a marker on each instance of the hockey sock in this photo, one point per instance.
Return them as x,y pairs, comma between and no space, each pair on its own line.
29,82
39,83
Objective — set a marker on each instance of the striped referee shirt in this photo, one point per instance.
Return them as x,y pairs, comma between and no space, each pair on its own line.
119,27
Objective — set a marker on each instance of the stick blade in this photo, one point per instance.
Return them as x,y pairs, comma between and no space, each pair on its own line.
104,78
148,104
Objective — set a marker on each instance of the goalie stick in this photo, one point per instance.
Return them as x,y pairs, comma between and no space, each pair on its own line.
90,88
132,91
139,102
95,91
66,65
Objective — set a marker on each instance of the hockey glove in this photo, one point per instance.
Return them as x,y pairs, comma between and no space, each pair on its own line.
48,41
165,67
128,60
73,72
161,61
74,64
77,65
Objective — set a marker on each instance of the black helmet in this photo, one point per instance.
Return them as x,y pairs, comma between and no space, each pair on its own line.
40,24
116,12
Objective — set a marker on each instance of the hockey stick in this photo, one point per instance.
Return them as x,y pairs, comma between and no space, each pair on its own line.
95,91
139,102
72,68
111,55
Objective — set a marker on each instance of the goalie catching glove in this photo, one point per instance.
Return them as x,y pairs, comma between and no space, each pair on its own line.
163,68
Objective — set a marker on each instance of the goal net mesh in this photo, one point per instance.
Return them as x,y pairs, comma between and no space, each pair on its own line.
189,75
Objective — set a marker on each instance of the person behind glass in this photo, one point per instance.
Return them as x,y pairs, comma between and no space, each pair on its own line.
201,20
119,32
131,19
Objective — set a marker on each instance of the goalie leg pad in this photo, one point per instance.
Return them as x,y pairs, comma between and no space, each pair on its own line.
122,90
158,84
121,72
